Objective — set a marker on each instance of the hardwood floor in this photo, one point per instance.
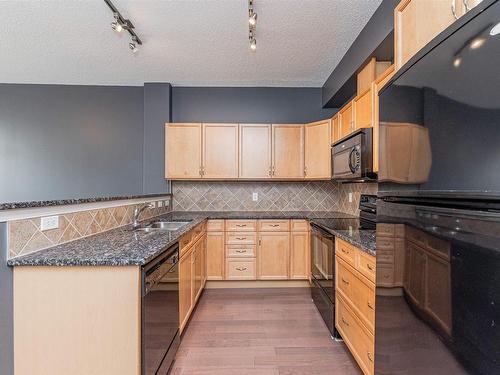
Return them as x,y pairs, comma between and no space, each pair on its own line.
274,331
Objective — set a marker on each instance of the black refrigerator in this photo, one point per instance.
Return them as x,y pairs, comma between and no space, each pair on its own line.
438,311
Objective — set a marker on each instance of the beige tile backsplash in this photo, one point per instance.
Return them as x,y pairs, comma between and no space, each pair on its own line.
25,236
273,196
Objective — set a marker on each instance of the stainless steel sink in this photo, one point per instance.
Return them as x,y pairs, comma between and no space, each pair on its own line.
162,225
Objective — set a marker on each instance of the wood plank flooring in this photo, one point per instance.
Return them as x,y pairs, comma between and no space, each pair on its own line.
274,331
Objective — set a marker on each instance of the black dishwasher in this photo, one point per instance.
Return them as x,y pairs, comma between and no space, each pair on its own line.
160,312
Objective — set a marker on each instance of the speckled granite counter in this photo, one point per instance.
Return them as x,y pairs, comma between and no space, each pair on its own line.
122,246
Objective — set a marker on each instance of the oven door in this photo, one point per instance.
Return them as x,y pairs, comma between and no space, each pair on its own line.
160,315
323,260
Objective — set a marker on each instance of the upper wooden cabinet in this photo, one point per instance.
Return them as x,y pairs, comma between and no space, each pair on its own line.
369,73
363,110
288,151
346,120
417,22
335,128
220,151
183,151
318,150
255,151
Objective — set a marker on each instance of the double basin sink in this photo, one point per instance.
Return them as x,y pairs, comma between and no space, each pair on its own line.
161,226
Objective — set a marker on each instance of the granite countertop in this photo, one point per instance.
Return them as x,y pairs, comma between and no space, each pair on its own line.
122,246
62,202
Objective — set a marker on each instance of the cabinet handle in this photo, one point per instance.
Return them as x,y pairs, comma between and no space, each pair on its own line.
305,171
241,225
270,171
241,251
453,9
369,266
274,169
344,251
274,225
369,305
345,281
241,268
369,355
241,238
345,322
466,5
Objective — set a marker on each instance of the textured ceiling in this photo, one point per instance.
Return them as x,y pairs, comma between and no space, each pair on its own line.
186,42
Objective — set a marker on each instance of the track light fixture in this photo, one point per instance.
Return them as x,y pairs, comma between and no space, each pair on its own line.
119,24
252,24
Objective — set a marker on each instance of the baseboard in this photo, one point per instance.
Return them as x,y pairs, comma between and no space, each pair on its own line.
221,284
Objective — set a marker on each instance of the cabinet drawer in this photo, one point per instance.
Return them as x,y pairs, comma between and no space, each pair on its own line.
385,276
274,225
215,226
416,236
299,225
386,230
241,238
366,265
185,243
356,337
240,251
241,225
239,269
360,294
198,231
384,243
345,251
385,256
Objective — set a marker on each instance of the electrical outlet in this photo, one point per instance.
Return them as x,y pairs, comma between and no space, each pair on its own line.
166,203
350,197
49,222
160,204
255,197
153,204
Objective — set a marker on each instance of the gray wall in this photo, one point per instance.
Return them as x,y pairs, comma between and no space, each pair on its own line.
6,328
248,104
157,97
61,142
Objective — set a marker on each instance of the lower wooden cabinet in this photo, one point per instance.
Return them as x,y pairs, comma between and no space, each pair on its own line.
241,269
192,274
215,255
273,255
355,302
299,255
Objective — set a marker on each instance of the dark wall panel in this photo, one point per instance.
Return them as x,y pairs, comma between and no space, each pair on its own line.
247,104
61,141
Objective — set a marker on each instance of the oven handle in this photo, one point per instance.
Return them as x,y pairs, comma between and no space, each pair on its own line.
316,228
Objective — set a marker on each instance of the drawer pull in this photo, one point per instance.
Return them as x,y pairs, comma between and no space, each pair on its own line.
345,322
274,225
241,225
241,238
241,268
369,305
369,355
241,251
369,266
344,251
345,281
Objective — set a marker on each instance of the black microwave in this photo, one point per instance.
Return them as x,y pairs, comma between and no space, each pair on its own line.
352,157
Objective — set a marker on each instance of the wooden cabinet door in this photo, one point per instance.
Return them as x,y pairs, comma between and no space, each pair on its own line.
335,128
185,298
255,151
273,255
299,255
198,269
220,151
317,150
363,110
417,274
346,120
215,255
416,23
288,151
438,291
183,151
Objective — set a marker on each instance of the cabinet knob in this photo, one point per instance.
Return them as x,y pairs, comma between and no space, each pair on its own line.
369,305
345,281
368,265
370,357
345,322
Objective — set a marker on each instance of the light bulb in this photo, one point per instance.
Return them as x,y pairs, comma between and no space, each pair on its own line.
495,29
457,61
252,20
476,43
117,26
253,44
133,47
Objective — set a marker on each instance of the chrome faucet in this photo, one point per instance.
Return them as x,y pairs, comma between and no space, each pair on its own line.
137,212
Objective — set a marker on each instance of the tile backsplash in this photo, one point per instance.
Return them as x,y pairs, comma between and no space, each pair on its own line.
25,236
272,196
